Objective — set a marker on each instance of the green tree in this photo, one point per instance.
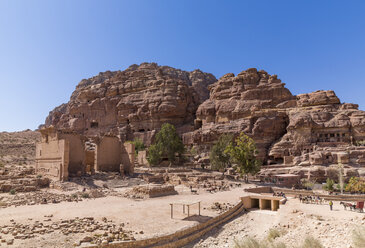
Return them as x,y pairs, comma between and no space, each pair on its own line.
138,145
220,159
243,152
167,144
329,185
355,185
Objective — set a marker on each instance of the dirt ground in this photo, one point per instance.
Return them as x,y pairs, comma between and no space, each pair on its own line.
151,217
295,221
146,218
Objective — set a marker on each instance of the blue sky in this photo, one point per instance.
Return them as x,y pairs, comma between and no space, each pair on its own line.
47,47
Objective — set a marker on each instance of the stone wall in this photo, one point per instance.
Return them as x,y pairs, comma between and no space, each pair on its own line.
52,158
182,237
76,155
108,154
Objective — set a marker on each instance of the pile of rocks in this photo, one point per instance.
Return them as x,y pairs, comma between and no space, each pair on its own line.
99,232
20,179
43,197
148,191
221,207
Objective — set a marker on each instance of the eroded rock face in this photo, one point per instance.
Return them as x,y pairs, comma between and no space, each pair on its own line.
249,102
307,129
301,127
135,101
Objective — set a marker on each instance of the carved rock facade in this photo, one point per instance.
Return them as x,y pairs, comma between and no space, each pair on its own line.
133,103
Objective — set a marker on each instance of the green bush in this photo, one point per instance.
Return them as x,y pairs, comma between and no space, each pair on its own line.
138,145
167,144
355,185
154,155
329,186
12,192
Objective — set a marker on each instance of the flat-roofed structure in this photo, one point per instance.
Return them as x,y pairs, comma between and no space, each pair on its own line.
262,202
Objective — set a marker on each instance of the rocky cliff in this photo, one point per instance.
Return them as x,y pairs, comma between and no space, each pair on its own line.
134,102
307,128
304,129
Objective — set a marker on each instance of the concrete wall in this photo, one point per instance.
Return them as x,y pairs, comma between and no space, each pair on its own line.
52,159
108,154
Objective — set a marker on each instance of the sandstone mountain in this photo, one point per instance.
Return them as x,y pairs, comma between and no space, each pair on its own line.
135,103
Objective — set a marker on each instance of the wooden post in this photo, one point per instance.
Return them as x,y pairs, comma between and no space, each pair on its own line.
184,208
171,210
188,210
199,208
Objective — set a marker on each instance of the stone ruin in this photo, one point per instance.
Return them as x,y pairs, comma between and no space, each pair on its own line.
61,154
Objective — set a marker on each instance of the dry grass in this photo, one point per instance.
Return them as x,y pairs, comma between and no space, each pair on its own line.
311,242
358,237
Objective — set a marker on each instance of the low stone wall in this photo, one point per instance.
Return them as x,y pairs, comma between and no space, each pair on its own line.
296,192
182,237
291,192
260,190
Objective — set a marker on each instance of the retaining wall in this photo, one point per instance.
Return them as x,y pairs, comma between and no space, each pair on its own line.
182,237
296,192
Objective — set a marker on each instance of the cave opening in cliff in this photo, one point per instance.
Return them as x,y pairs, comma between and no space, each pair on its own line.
94,124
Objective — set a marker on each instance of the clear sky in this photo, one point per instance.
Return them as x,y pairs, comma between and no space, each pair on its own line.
47,47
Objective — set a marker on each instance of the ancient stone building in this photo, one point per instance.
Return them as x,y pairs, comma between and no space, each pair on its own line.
61,154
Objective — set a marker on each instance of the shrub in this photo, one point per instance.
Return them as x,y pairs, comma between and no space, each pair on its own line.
138,145
329,185
12,192
311,242
358,237
154,155
254,243
308,184
248,243
85,195
273,234
355,185
39,176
